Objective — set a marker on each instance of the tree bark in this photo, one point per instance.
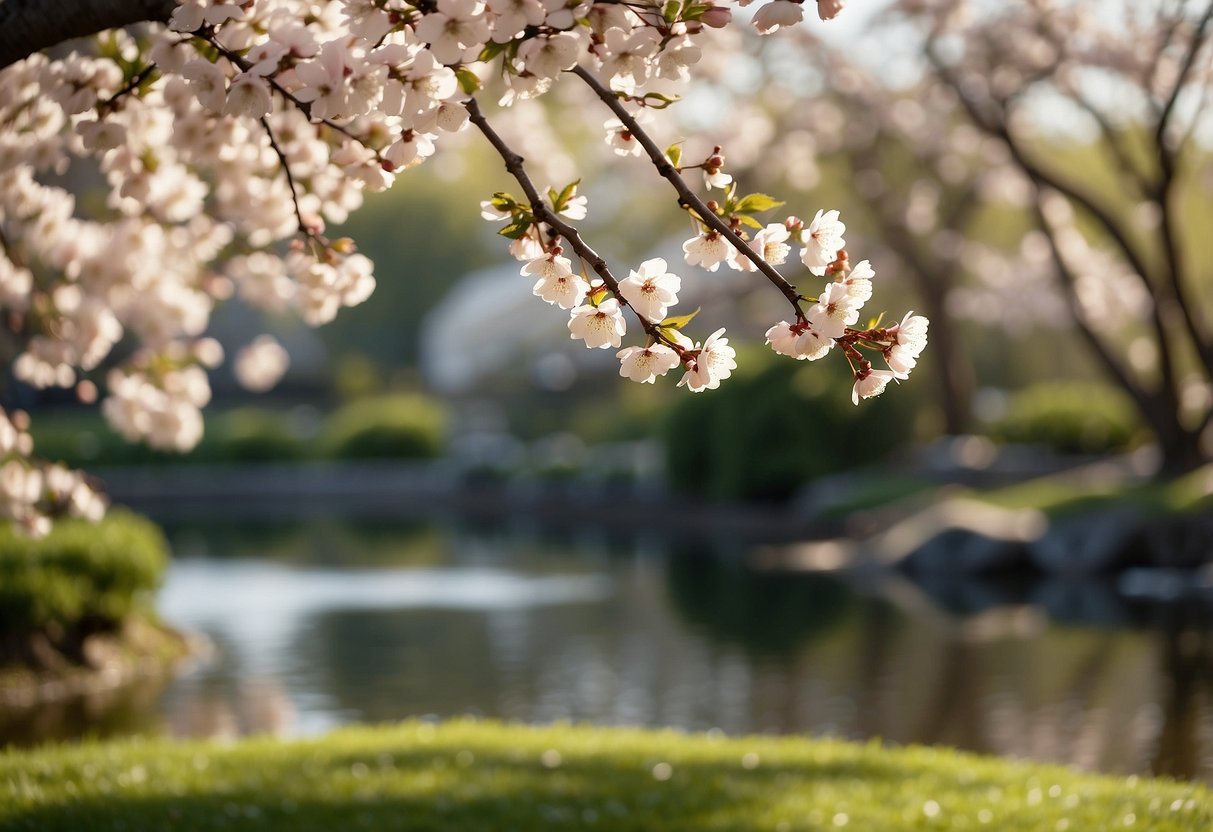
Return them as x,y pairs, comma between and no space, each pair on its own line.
29,26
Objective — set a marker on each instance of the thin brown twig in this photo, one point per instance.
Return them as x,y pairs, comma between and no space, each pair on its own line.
514,164
129,87
304,228
304,106
686,196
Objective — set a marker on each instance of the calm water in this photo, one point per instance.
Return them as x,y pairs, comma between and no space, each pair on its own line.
322,624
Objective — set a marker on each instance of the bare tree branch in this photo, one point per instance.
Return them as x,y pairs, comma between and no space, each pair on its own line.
1166,153
29,26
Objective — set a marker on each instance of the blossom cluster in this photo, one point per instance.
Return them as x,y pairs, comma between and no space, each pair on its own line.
230,139
32,492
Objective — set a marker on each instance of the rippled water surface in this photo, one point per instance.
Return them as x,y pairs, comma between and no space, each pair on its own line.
316,625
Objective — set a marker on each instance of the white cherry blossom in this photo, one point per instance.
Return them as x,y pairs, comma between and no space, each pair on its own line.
261,364
778,14
600,326
869,383
770,244
910,341
651,289
456,27
708,250
823,240
645,364
557,284
713,362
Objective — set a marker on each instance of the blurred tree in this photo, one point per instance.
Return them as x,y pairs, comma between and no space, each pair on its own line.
1135,76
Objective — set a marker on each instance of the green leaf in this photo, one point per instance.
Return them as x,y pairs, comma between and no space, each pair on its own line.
755,203
746,219
561,201
503,201
516,230
674,153
662,99
467,80
696,10
679,321
491,50
670,10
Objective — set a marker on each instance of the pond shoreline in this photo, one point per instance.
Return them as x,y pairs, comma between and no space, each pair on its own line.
378,491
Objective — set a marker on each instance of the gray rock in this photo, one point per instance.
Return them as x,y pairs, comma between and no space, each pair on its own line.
1091,544
965,552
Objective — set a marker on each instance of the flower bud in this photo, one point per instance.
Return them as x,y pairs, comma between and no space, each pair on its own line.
717,17
829,9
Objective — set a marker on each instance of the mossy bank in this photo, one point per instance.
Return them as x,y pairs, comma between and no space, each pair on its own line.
76,608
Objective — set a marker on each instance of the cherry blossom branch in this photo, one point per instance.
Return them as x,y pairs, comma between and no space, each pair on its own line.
207,36
686,196
514,164
304,228
129,87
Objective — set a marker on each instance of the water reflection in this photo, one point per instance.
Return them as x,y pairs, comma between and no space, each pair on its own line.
326,624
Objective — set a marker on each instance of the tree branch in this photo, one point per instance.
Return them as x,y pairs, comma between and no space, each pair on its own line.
541,211
29,26
1168,158
685,195
1068,281
207,36
1167,154
304,228
1042,178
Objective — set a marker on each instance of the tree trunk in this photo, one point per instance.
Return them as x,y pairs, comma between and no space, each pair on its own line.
1180,447
952,372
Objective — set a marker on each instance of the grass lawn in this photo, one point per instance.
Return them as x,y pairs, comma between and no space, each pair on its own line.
475,775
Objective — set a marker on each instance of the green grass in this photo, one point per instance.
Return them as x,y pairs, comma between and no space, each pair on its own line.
1060,495
472,776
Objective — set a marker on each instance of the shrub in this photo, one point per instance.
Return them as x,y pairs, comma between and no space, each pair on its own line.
80,574
251,435
1070,417
396,426
764,434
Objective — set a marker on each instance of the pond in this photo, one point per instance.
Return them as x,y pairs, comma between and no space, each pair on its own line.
322,623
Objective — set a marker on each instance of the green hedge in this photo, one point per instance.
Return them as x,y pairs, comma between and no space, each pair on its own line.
1070,418
394,426
386,427
764,434
80,573
251,434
